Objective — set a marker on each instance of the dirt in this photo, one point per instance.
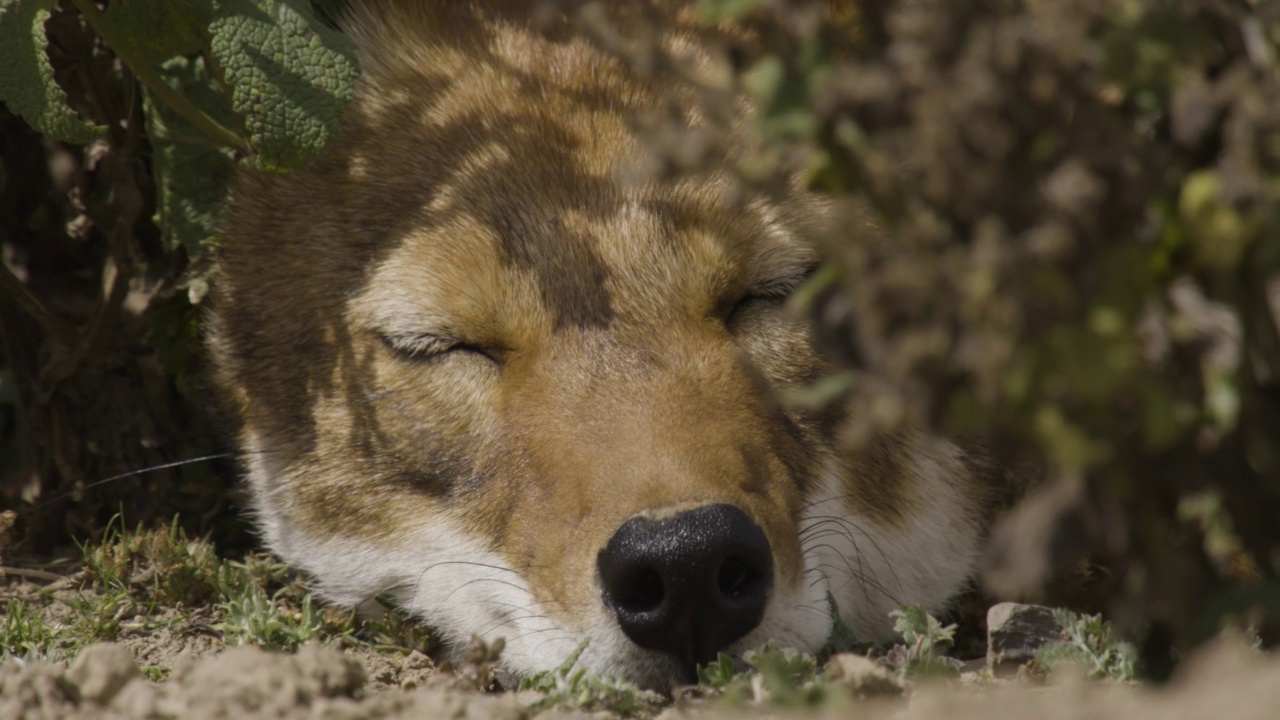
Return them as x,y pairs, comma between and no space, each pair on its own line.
242,682
173,662
105,681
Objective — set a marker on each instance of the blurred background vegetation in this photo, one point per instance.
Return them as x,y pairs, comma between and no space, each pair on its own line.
1057,233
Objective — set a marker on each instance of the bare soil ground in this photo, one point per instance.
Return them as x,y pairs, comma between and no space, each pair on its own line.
175,662
324,682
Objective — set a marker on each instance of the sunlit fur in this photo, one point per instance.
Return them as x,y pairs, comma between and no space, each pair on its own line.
464,345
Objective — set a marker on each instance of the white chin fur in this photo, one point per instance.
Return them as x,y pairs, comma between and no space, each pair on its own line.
461,588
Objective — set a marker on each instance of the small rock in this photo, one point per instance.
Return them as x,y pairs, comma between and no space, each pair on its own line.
418,661
101,671
861,676
1015,631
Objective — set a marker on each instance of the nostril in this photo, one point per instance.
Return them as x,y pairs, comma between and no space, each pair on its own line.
643,592
739,579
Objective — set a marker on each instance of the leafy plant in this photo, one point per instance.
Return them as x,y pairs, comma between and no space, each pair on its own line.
787,677
261,79
925,640
161,564
567,687
1089,643
779,676
252,617
168,96
396,631
842,638
717,675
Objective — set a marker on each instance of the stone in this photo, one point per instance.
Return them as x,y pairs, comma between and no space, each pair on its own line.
1015,631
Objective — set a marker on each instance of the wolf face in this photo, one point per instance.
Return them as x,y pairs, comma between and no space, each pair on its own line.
478,367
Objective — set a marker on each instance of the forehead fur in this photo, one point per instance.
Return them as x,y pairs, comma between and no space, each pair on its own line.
519,149
496,34
484,177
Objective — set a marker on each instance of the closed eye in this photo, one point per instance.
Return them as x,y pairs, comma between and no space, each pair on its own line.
780,288
418,347
772,292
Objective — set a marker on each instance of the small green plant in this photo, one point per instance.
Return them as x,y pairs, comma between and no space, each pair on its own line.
780,676
394,631
28,633
842,638
25,636
924,642
161,565
566,687
1089,643
476,669
100,615
789,678
264,570
719,674
258,600
252,617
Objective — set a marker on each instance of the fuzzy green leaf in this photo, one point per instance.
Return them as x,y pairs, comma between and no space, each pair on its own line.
27,85
290,76
152,31
190,172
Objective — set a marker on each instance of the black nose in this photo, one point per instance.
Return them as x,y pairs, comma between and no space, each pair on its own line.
690,584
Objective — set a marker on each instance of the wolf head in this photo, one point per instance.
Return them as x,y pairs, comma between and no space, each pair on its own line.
480,365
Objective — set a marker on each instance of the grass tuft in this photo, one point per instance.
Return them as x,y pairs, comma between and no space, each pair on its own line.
26,637
252,617
161,565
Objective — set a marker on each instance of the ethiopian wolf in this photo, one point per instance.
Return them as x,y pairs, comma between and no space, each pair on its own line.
480,368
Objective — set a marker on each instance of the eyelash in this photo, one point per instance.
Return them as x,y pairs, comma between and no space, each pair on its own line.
417,348
777,290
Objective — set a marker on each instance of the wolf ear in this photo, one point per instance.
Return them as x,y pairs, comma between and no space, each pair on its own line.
838,334
835,227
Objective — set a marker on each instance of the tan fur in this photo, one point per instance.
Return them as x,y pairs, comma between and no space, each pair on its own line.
479,194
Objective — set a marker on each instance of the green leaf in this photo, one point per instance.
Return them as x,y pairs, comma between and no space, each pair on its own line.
152,31
290,76
27,85
842,638
718,673
190,172
788,675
